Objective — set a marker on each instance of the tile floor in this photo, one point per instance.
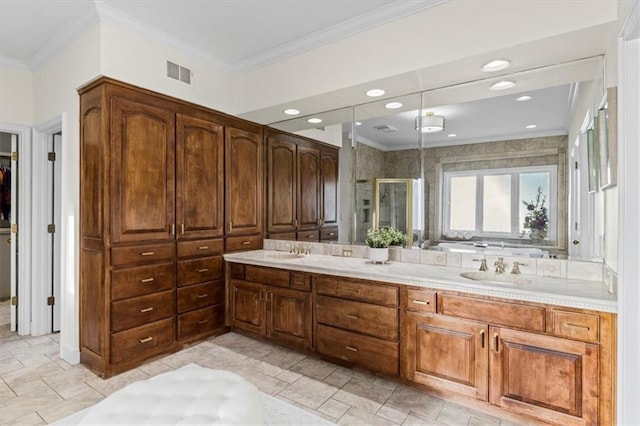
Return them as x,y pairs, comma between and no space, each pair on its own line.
38,387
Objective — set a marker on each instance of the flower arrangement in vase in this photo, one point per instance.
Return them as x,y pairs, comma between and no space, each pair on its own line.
537,218
379,240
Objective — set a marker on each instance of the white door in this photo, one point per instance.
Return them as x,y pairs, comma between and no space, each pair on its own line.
14,236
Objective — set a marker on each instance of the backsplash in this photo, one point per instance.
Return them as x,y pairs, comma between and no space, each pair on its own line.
554,268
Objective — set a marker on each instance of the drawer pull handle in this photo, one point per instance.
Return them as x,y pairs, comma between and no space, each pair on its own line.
203,247
149,309
203,321
246,243
202,296
482,338
147,280
331,234
203,270
421,302
351,348
147,253
353,316
584,327
352,290
310,236
146,339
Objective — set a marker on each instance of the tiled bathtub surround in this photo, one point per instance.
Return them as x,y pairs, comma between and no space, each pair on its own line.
553,268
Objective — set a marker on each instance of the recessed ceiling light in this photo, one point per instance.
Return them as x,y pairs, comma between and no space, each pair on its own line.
291,111
531,126
358,123
523,98
314,120
497,65
452,135
502,85
393,105
374,93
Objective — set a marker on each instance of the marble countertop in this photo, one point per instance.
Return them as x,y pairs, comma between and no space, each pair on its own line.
556,291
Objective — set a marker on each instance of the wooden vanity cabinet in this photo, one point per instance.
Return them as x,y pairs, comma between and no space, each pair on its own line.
357,322
532,359
271,302
302,188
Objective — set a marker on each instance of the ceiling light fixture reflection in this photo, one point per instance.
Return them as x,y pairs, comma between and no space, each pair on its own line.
451,135
497,65
523,98
291,111
393,105
358,123
314,120
431,123
374,93
531,126
502,85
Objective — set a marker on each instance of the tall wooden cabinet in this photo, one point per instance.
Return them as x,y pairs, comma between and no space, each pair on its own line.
302,188
152,220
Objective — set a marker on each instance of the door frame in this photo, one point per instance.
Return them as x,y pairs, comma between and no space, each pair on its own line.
23,237
41,244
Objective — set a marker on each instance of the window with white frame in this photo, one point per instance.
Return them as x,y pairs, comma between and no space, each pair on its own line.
495,202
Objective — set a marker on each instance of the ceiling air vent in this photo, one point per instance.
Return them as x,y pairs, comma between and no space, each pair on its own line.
385,128
178,72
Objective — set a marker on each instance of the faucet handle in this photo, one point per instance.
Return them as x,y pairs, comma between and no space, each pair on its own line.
483,264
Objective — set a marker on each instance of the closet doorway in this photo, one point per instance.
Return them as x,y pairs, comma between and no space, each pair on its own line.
8,241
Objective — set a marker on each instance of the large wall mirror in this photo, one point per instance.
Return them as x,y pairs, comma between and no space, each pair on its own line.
485,166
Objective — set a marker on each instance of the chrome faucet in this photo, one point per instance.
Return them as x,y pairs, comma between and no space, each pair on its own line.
483,264
516,267
500,265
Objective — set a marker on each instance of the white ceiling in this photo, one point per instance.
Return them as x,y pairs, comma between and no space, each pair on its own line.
239,35
243,35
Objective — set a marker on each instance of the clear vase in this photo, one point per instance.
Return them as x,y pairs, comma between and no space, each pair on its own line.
537,235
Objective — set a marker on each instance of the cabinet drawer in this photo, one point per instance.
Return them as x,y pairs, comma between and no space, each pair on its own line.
495,313
143,341
201,321
363,291
329,234
199,270
312,236
270,276
200,295
250,242
415,300
141,310
132,255
300,281
200,248
370,352
378,321
576,326
132,282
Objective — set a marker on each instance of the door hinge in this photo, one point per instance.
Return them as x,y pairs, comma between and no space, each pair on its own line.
51,229
14,228
14,156
14,301
51,156
51,300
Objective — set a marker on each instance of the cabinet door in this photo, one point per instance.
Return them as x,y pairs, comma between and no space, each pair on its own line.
142,171
244,176
281,185
446,353
289,316
248,306
199,178
549,377
329,198
308,188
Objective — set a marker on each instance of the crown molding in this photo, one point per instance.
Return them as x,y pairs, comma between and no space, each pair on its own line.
383,15
76,26
7,62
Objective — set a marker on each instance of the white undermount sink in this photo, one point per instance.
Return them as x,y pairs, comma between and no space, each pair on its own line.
284,256
494,278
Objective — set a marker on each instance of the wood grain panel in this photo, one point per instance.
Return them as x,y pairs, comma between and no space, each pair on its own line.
131,282
264,275
92,154
281,185
132,312
200,248
360,290
200,321
308,188
573,325
248,242
374,320
142,254
199,270
200,295
289,316
329,187
143,342
418,300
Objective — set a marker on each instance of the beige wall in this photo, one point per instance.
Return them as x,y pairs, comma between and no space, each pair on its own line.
16,97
